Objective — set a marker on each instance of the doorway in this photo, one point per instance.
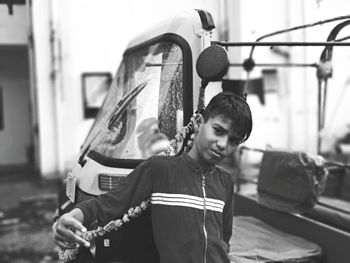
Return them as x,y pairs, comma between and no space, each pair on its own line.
16,142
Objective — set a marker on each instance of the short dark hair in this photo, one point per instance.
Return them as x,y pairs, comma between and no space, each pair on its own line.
234,107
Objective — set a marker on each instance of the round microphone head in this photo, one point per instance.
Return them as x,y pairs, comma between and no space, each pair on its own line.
212,63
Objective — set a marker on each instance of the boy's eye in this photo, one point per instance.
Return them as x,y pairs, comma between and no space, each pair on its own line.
233,140
218,131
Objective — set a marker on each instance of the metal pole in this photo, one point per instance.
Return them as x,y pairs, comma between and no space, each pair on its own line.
315,65
239,44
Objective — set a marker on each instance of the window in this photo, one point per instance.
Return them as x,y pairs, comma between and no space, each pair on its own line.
144,105
95,87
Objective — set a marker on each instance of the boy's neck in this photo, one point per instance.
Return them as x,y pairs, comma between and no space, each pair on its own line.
205,166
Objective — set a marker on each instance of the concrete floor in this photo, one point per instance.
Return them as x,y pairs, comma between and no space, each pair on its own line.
27,205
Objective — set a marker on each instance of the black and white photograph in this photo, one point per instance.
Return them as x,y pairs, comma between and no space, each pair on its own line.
158,131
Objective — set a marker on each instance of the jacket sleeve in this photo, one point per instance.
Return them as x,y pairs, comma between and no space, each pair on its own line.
228,212
114,204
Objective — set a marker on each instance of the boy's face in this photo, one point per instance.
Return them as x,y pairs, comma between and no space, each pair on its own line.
215,139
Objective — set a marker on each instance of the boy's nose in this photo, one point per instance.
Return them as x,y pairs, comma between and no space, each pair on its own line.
222,142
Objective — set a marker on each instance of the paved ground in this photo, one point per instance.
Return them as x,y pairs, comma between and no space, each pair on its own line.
27,206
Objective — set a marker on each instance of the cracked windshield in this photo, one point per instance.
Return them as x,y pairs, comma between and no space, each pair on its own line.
139,119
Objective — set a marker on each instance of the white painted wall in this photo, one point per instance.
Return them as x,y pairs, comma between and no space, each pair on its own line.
46,95
13,28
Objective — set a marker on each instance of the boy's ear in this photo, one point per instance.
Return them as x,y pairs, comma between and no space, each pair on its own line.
197,122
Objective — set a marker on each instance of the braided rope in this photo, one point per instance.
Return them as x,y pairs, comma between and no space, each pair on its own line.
66,255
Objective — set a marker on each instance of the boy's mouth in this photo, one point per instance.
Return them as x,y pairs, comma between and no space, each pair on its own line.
216,154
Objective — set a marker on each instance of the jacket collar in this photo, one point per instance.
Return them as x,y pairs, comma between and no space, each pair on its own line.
195,165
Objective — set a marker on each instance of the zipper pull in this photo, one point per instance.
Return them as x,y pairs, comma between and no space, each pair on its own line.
203,180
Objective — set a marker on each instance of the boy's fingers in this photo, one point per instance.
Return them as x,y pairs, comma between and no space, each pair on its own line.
63,243
71,222
67,231
81,241
79,233
67,236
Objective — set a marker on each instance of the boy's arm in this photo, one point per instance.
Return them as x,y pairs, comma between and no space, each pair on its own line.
228,214
68,230
114,204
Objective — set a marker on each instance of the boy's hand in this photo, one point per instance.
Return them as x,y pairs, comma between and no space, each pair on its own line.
68,230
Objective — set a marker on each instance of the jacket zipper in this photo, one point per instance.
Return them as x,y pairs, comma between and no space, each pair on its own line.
204,216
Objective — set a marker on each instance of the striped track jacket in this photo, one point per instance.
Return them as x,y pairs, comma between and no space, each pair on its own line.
191,210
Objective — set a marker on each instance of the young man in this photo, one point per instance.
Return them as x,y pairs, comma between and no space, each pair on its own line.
191,198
